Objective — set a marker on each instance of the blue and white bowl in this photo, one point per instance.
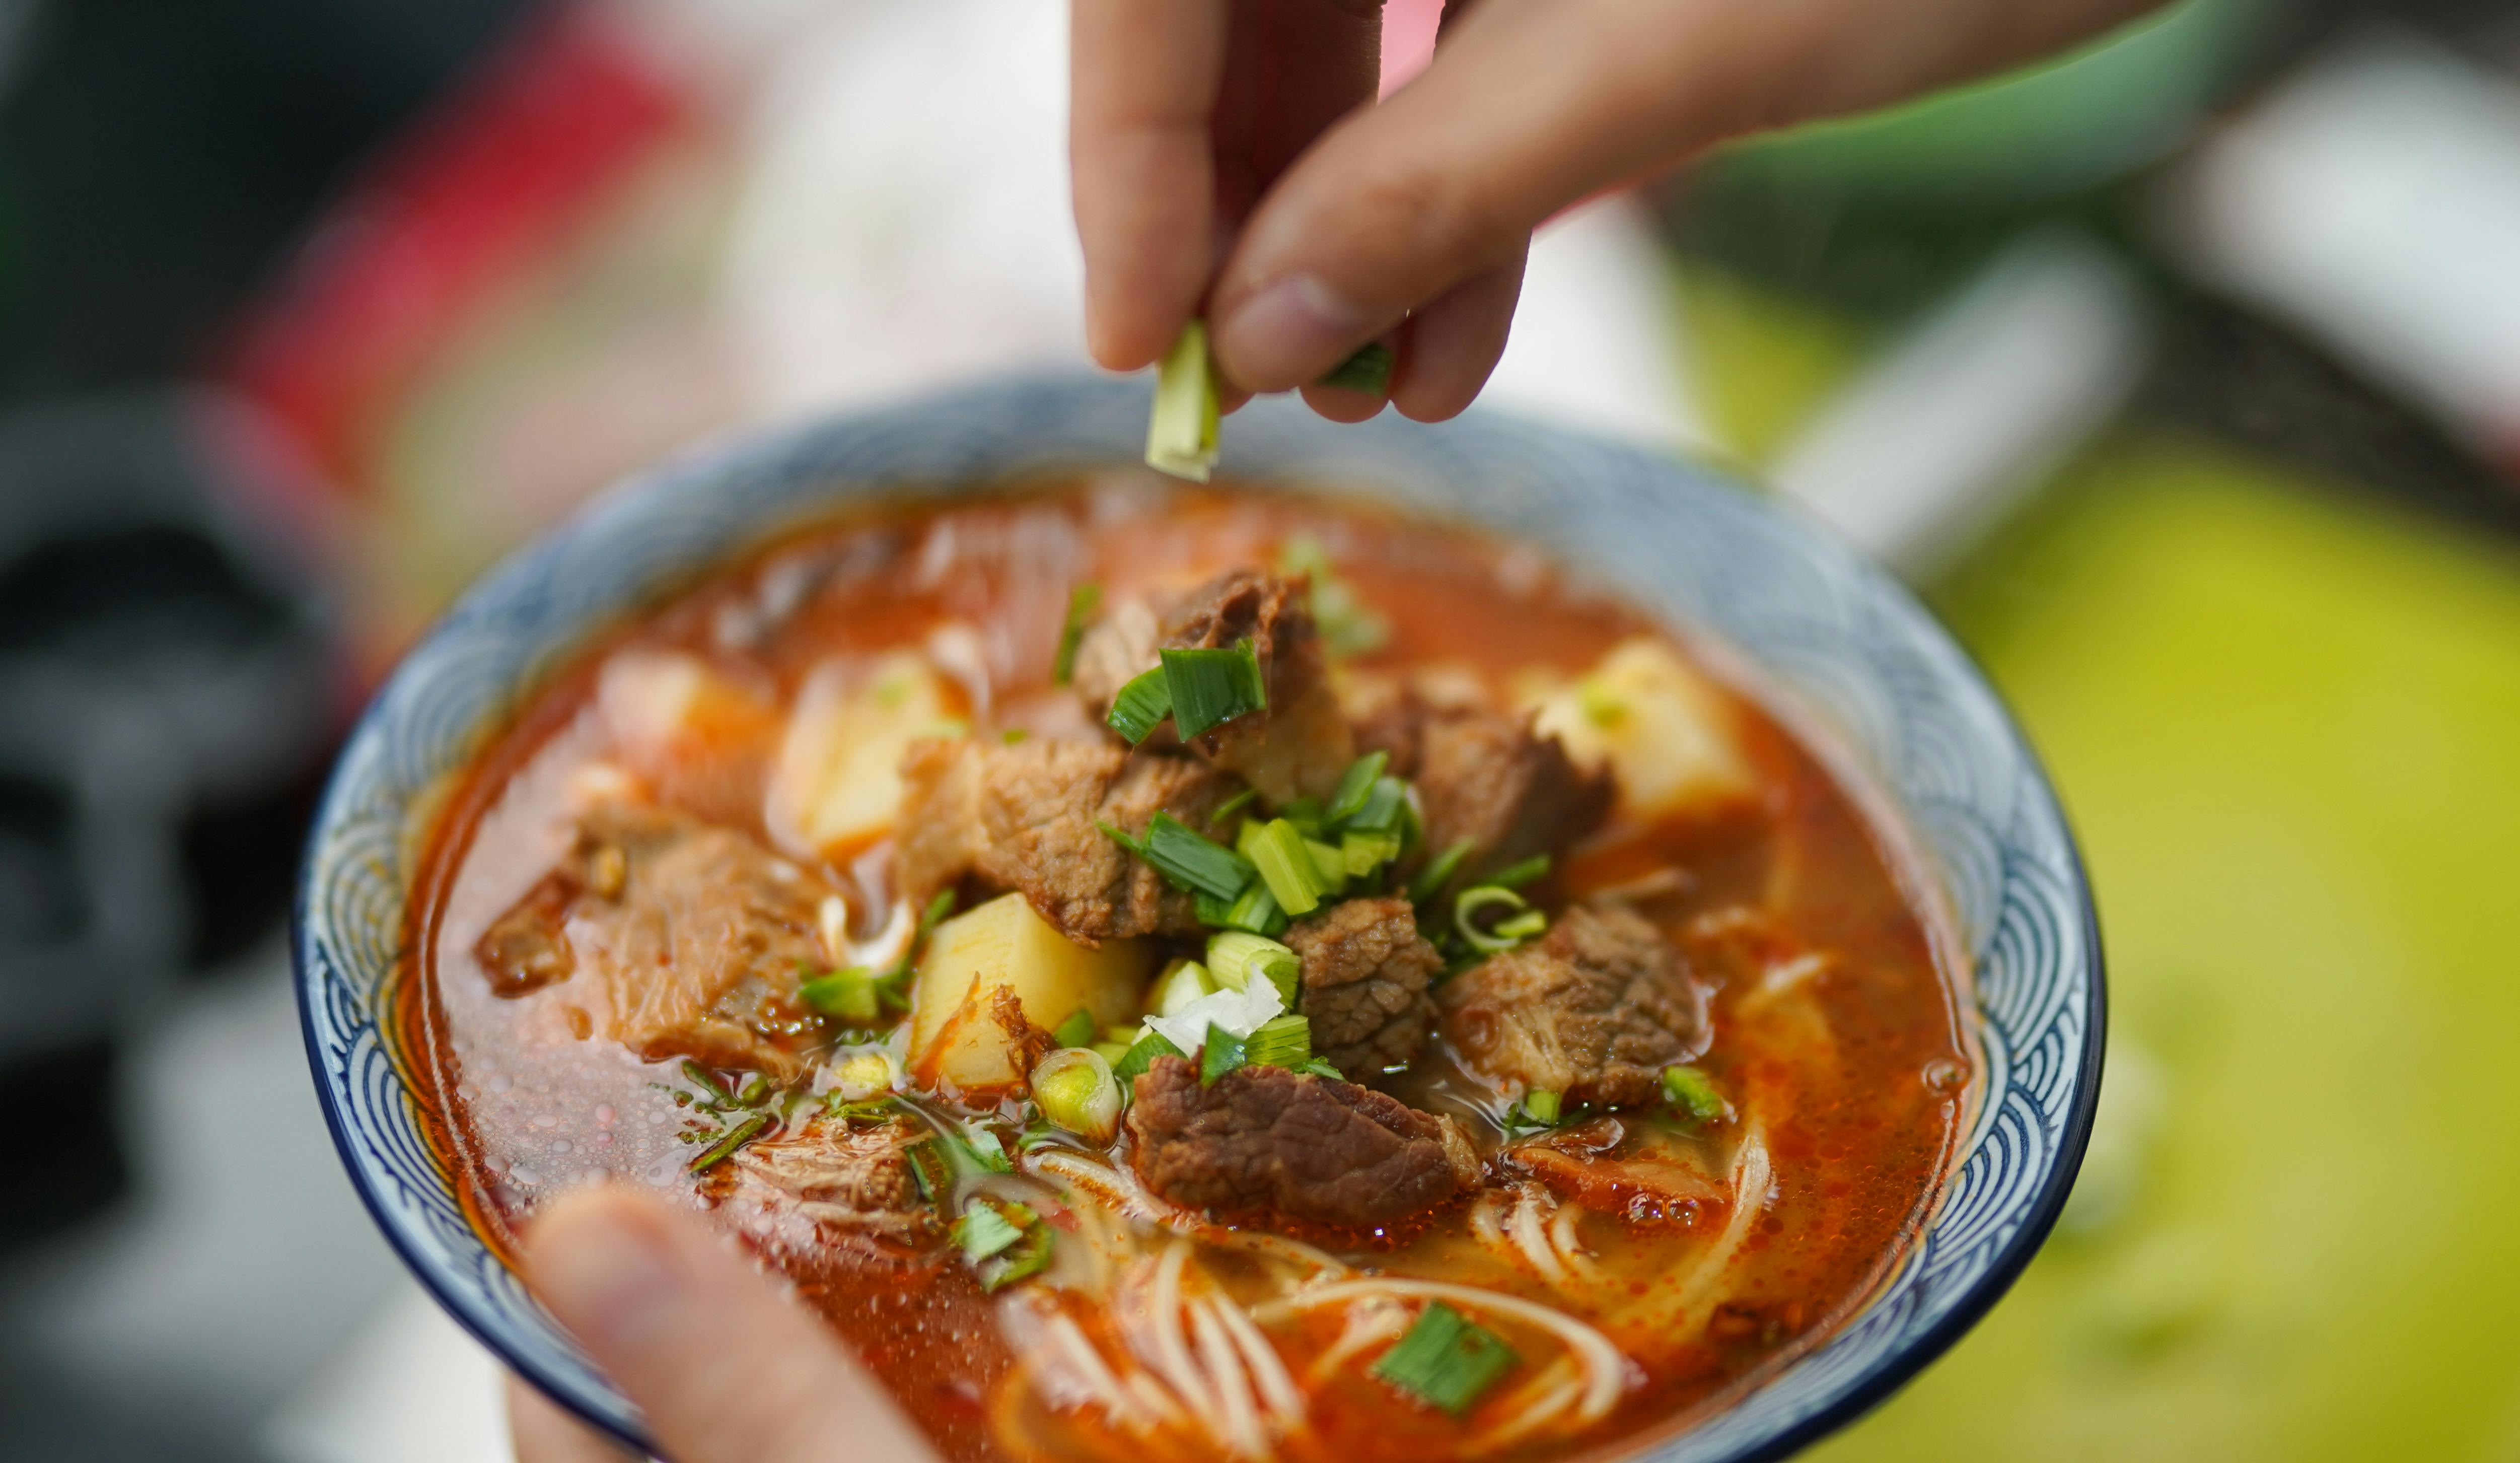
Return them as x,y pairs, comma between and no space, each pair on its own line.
1839,647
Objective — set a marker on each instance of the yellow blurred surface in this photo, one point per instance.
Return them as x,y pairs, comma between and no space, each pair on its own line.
2286,723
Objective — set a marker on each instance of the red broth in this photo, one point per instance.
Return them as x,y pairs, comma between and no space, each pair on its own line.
1833,1007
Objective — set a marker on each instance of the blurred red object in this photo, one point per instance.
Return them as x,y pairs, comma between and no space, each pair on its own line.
550,121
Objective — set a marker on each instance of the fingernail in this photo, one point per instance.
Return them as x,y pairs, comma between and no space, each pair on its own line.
1286,334
608,1280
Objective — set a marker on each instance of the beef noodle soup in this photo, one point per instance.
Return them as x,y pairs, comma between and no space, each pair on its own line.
1176,975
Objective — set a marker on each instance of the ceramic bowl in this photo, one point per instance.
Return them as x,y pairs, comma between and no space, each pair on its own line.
1839,648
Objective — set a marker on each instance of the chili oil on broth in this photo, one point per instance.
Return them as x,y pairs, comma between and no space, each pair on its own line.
1834,1030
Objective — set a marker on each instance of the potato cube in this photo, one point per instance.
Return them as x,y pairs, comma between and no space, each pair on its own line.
838,783
1671,738
957,1026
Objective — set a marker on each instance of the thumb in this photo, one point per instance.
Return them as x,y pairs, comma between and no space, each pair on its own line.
726,1370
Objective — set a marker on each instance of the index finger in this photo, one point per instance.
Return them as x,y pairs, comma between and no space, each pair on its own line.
1142,81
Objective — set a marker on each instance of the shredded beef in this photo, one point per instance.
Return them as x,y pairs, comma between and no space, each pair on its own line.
1264,1139
691,934
1594,1011
838,1175
1488,777
1029,817
1366,974
1301,743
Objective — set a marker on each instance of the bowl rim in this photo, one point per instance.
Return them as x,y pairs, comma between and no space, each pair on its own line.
1874,1383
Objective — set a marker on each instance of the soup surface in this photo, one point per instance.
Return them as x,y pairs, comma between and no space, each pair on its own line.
1186,974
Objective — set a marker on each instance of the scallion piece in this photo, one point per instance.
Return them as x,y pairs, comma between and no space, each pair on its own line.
1255,909
848,995
1081,601
1332,862
1028,1259
1141,1056
983,1148
734,1138
1320,1067
1182,430
1517,875
1366,853
1446,1360
1141,706
1354,787
1385,804
982,1231
1348,625
1235,956
1430,880
1231,806
1193,862
1367,370
1286,864
1211,687
707,1080
1077,1031
1691,1093
1475,902
1125,839
1220,1054
1543,1105
1281,1042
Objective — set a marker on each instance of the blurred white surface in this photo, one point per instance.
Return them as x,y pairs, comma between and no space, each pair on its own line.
410,1388
2374,200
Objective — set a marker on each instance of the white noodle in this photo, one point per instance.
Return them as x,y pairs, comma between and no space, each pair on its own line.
1094,1372
1367,1324
1561,1391
1570,1249
1170,1346
1232,1387
1750,1179
1533,1241
1605,1368
1277,1391
1118,1189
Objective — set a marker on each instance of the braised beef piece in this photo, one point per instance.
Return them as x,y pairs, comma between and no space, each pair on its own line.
1581,1164
1301,743
692,936
1264,1139
1114,650
1366,974
1487,776
1028,817
834,1174
1594,1009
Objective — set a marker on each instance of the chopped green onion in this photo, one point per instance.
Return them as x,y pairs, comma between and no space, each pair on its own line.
984,1231
1367,370
1182,430
1235,956
982,1147
1077,1031
1124,838
1600,702
1332,862
1354,787
1517,875
1484,898
1026,1259
1281,1042
1231,806
1446,1360
1190,861
1430,880
865,1110
1014,735
929,1169
1286,864
707,1079
1543,1105
1320,1067
843,995
1531,924
1141,706
1384,804
1076,1091
755,1088
735,1138
1081,601
1691,1093
1113,1052
1141,1056
1366,853
1220,1054
1187,982
1255,909
1306,815
1211,687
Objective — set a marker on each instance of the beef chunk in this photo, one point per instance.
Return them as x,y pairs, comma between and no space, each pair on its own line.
1366,974
1027,817
1594,1011
1488,777
834,1174
1266,1139
1114,650
689,935
1300,745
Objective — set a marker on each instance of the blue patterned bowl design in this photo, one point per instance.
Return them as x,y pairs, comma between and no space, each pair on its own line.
1838,645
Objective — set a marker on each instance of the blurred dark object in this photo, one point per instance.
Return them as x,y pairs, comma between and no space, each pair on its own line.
157,155
168,700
